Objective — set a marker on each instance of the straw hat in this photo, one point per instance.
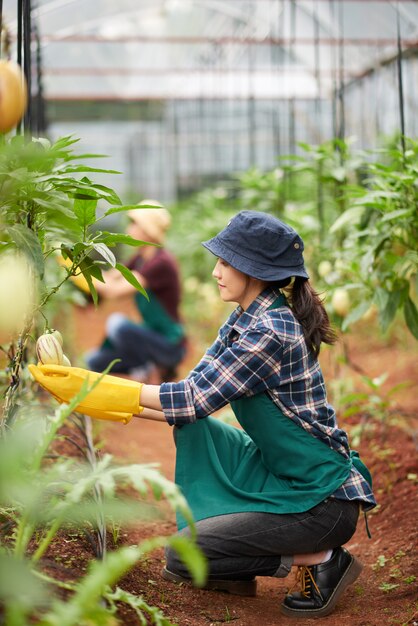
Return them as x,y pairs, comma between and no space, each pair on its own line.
154,222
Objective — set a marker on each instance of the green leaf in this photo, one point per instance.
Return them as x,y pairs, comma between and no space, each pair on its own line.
130,207
393,215
65,142
388,313
351,216
95,270
78,248
355,314
411,316
127,274
382,297
352,410
388,587
339,174
104,251
86,155
139,605
192,557
26,241
85,268
19,586
108,194
88,591
111,239
378,194
85,209
85,168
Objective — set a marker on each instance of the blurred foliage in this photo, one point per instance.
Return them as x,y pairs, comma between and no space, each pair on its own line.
39,497
378,255
356,212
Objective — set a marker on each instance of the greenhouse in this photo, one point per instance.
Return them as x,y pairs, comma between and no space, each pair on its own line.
183,92
208,312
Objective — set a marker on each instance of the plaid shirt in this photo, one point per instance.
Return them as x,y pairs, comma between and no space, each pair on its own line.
263,350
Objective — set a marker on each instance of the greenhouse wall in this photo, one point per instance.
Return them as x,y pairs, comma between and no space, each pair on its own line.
199,142
372,103
183,93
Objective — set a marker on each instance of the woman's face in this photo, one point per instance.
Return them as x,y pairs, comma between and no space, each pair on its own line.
234,286
135,230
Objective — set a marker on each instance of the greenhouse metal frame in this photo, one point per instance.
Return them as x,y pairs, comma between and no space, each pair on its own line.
181,93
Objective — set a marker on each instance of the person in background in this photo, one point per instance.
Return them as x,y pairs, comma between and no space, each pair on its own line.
285,489
157,343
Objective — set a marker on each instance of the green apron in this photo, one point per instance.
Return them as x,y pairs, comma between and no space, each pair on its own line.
276,468
154,316
272,466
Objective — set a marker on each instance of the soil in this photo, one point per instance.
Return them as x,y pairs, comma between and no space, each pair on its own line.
386,593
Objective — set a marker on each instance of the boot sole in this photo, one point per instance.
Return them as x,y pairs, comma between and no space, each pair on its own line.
351,574
235,587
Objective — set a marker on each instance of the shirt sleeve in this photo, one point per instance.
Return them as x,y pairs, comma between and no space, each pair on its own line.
247,367
207,358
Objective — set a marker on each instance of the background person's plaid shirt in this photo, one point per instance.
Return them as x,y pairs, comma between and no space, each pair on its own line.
263,350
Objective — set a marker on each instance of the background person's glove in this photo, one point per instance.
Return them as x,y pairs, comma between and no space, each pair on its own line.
114,398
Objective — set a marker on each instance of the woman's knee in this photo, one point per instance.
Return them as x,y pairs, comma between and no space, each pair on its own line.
115,326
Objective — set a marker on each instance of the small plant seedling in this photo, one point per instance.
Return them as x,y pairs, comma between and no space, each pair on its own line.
381,562
388,587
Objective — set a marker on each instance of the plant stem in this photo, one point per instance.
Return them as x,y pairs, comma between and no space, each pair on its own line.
10,394
97,492
53,581
349,360
24,533
16,362
47,540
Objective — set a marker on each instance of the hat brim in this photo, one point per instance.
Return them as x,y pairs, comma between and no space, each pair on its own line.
261,271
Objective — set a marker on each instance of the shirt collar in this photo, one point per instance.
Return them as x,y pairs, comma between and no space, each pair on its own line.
244,319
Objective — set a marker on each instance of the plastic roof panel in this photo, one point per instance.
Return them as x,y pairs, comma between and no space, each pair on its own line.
188,49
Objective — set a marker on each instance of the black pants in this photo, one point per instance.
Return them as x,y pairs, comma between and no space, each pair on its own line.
243,545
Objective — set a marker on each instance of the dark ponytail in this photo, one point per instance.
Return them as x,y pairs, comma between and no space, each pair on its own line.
311,314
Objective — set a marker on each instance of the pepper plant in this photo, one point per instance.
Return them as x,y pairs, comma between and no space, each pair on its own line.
378,255
49,211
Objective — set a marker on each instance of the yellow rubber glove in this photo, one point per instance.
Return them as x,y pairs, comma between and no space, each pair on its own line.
115,399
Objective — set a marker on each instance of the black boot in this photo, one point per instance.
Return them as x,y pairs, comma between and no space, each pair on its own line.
322,585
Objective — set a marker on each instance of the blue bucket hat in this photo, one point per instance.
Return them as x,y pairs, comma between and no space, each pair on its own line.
261,246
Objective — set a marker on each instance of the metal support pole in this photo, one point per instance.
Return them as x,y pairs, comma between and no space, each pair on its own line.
292,106
1,21
27,61
400,81
19,47
341,124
